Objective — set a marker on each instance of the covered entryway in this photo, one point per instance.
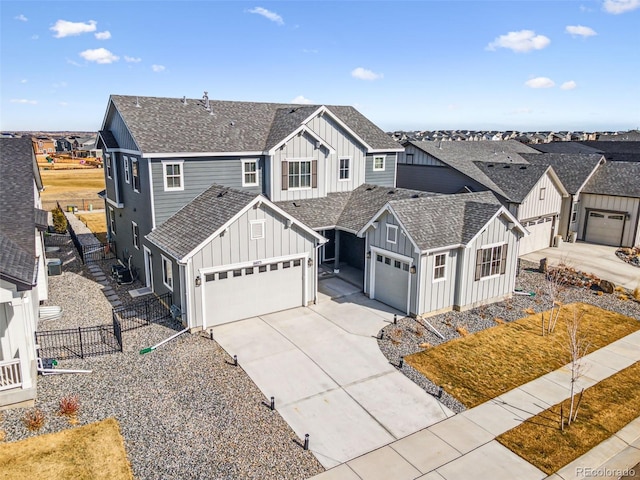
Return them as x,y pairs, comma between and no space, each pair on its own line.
604,228
253,289
390,279
540,235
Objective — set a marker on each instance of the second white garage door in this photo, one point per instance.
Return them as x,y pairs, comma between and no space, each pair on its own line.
539,237
253,290
390,281
604,228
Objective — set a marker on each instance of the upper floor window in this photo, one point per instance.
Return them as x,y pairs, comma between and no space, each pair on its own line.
167,273
378,162
173,175
543,191
135,173
107,164
125,168
409,158
135,233
112,221
491,261
299,174
392,233
249,173
440,266
345,169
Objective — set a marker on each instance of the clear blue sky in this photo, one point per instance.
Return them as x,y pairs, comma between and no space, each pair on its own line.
527,65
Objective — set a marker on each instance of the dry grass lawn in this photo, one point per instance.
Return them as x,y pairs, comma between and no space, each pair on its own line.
94,451
72,187
605,408
479,367
97,223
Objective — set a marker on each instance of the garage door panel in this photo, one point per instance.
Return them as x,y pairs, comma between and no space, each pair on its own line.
391,281
252,291
604,228
540,232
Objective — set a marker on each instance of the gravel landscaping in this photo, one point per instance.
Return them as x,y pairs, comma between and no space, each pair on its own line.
405,338
185,411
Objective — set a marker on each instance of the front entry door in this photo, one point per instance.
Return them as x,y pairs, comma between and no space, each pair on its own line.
329,248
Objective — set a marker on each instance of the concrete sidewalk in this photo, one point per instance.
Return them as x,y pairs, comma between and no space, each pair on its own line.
601,260
464,446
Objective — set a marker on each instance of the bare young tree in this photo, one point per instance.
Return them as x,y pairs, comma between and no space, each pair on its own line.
554,287
577,345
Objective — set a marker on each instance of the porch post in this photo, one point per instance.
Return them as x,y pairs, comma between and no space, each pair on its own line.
336,262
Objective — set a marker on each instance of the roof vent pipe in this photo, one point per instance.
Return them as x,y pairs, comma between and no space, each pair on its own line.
207,106
137,103
184,100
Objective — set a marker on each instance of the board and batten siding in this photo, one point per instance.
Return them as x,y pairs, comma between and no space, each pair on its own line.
236,246
533,207
471,292
627,205
440,294
120,131
386,177
377,237
198,175
433,178
419,157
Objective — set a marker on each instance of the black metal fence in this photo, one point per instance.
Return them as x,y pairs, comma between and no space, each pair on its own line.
56,239
143,312
80,342
98,252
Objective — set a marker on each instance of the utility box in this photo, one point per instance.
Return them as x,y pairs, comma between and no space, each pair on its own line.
54,266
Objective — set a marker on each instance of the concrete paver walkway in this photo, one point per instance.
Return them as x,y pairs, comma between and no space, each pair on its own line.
464,446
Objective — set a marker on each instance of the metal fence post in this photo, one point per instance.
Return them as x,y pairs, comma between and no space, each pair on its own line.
80,336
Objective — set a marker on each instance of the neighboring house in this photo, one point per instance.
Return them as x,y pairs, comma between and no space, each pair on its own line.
43,145
63,145
160,154
23,280
533,194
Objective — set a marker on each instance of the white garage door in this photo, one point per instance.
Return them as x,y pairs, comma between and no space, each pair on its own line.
539,235
253,290
604,228
391,281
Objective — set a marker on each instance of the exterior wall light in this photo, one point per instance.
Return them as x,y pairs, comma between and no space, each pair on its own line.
412,269
198,281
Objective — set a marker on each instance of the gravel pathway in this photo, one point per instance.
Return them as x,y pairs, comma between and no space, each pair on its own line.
405,338
184,410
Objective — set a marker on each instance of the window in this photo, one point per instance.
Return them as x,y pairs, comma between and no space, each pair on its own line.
543,191
125,169
574,212
379,258
248,271
167,273
135,232
257,229
397,264
107,163
262,268
136,174
344,173
112,221
300,174
249,173
273,266
439,266
296,263
286,264
222,276
392,233
210,277
237,273
491,261
378,163
409,157
173,176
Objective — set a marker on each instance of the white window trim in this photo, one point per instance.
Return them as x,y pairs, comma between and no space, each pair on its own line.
543,191
112,221
300,160
166,163
135,236
127,169
443,267
251,232
491,247
384,163
247,184
575,210
165,262
394,229
109,165
348,177
136,161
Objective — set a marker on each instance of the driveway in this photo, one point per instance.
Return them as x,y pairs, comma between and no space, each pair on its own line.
329,379
601,260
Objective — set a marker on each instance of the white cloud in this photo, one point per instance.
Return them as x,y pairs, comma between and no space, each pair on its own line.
579,30
22,18
268,14
158,68
106,35
301,99
64,28
24,80
364,74
570,85
519,42
99,55
129,59
23,101
620,6
540,82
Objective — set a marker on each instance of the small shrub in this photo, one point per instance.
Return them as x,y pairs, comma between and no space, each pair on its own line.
462,331
482,311
425,345
623,297
508,304
59,220
529,311
419,330
636,294
396,336
69,406
499,321
619,289
34,420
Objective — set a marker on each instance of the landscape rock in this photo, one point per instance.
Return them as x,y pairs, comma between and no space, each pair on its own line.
607,286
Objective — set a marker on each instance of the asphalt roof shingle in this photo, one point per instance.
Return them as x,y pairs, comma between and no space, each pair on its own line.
515,180
572,169
621,179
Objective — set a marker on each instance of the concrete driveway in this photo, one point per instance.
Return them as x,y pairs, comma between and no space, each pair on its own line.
601,260
329,379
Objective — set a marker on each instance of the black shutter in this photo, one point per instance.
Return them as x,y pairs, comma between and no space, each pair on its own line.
478,263
285,175
314,174
503,262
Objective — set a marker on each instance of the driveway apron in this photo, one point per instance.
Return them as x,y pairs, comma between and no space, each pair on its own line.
329,379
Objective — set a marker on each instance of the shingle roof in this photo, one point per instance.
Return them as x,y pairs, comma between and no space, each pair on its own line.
616,178
618,151
167,125
41,218
108,139
565,147
349,210
17,217
181,233
515,180
462,155
444,220
572,169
